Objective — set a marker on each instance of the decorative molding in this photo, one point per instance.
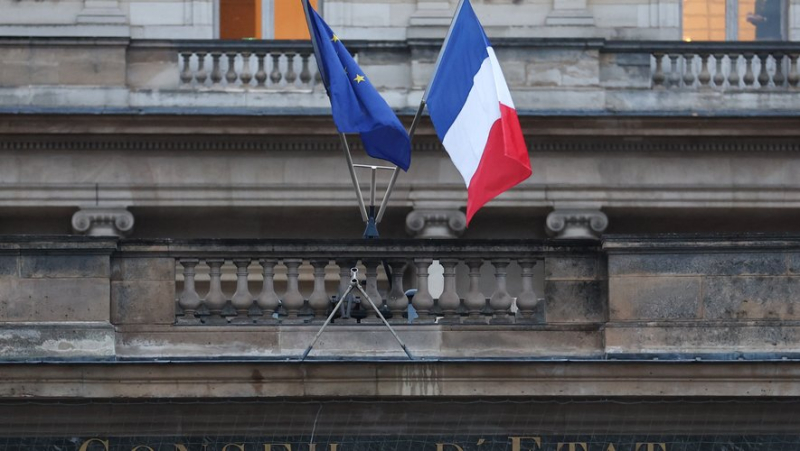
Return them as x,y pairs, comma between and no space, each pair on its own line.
102,12
576,223
436,223
295,144
102,221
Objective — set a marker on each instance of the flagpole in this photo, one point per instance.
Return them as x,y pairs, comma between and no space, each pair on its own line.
392,181
420,110
349,157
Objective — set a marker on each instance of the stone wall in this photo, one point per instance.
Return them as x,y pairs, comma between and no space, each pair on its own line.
700,296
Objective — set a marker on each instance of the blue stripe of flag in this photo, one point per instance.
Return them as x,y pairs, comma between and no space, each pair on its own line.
461,60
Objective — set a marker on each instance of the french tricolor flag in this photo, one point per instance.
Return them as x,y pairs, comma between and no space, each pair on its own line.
473,114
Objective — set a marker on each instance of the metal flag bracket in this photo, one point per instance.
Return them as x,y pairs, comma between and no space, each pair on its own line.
372,220
355,285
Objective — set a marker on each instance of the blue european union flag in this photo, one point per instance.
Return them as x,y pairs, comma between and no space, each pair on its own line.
357,106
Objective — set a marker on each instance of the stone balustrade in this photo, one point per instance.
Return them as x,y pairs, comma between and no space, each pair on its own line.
627,297
566,75
253,298
276,65
722,66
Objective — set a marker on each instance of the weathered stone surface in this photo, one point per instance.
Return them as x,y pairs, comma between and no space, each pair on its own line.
687,340
520,343
654,298
698,263
56,341
143,302
8,265
573,268
793,262
575,301
751,298
50,299
132,268
63,266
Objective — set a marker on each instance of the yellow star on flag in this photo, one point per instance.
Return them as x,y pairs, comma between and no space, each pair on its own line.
359,78
335,38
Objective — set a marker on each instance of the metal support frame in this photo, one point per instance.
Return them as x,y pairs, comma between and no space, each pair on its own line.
354,285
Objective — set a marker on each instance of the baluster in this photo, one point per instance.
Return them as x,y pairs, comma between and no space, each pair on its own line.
186,73
794,76
449,300
189,299
763,75
778,79
733,75
216,70
527,302
674,75
215,299
474,301
291,76
719,77
422,301
500,301
345,264
245,76
748,78
261,74
268,301
317,77
396,299
688,70
230,75
318,300
275,75
242,300
305,72
704,77
201,74
658,75
372,291
293,300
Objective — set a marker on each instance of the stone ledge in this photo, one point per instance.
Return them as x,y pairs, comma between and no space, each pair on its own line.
361,341
690,339
511,379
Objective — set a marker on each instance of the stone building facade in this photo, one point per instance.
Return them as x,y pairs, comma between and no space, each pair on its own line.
178,220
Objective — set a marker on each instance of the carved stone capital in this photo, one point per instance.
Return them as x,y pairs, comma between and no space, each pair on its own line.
103,221
436,223
576,223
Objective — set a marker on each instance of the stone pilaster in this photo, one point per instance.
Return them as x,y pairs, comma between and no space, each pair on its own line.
570,13
102,12
431,19
436,223
103,221
576,223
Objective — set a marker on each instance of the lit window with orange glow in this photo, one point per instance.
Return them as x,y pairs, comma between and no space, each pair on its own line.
244,19
755,20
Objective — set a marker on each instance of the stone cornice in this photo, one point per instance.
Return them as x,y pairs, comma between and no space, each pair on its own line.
510,379
185,126
291,143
